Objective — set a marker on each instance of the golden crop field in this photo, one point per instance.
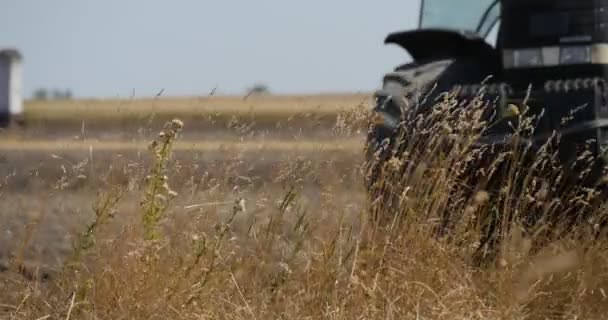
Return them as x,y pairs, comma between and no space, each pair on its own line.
129,109
208,118
256,208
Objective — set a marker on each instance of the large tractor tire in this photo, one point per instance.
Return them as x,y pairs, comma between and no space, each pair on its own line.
414,85
418,85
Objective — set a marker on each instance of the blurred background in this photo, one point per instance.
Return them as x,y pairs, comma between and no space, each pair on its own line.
271,93
137,48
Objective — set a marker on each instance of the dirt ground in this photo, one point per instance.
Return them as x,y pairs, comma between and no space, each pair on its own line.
49,189
54,167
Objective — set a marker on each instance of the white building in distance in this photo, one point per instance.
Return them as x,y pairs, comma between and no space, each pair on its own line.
11,77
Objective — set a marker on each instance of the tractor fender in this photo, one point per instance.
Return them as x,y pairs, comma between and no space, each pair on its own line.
425,44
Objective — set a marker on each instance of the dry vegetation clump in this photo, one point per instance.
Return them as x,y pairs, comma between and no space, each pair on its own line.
441,240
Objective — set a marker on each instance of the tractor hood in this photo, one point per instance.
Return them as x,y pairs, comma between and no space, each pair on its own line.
432,43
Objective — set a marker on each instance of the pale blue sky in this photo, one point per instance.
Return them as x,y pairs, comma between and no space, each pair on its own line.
108,48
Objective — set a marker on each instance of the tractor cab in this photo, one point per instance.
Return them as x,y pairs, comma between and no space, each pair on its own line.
534,40
477,17
450,29
555,49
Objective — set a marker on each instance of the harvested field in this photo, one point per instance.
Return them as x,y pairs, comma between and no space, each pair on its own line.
207,117
268,219
274,107
55,185
353,145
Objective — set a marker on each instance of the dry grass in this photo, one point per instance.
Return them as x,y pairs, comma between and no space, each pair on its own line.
352,145
303,244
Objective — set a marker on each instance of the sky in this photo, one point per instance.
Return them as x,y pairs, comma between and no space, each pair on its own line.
114,48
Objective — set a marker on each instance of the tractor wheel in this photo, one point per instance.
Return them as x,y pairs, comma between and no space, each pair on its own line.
418,85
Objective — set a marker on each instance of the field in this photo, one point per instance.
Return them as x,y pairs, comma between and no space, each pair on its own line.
209,117
254,208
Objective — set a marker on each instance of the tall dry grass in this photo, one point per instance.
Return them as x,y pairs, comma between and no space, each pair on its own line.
443,239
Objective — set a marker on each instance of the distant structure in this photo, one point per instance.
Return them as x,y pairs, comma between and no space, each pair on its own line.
11,98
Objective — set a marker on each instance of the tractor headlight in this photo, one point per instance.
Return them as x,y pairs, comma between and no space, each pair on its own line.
555,56
575,55
527,58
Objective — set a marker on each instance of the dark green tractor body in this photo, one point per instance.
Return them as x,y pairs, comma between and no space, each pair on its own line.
549,55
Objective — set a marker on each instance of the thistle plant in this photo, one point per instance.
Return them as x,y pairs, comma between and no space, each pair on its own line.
158,193
104,211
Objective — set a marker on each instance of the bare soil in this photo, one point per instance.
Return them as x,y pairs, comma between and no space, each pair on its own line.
48,195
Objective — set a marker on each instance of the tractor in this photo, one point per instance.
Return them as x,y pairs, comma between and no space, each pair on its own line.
549,57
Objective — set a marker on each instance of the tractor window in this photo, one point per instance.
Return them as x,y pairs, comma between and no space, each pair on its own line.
467,15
